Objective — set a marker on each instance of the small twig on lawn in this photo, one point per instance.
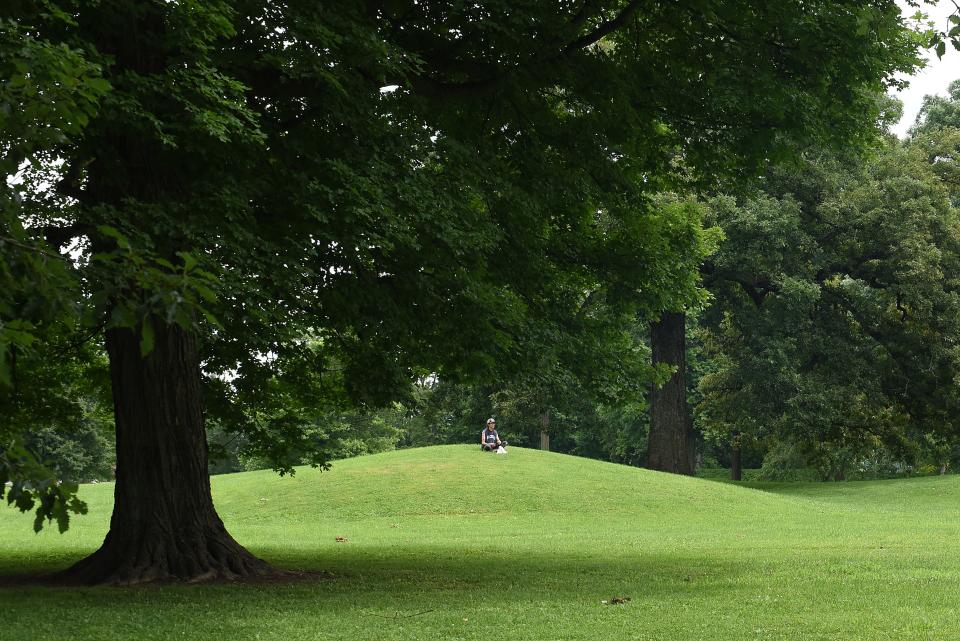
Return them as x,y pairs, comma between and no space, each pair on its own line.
398,616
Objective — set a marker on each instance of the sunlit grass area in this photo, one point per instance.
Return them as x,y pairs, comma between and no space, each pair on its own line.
449,543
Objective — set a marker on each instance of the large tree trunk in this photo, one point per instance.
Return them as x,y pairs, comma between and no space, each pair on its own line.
164,526
670,443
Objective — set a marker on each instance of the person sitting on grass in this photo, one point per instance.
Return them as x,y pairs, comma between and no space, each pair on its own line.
489,439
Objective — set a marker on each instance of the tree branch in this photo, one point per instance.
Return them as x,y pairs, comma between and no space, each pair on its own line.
83,340
581,17
757,289
30,248
471,87
603,29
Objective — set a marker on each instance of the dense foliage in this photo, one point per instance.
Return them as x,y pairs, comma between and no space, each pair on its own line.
830,337
271,214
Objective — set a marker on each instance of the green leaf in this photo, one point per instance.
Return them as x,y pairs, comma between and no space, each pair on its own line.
98,84
20,498
189,261
205,292
63,517
78,506
211,319
112,232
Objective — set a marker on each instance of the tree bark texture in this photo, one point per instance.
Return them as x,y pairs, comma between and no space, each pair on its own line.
670,446
164,526
545,431
736,459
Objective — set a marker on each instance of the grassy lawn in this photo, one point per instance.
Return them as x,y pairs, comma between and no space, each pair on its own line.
448,543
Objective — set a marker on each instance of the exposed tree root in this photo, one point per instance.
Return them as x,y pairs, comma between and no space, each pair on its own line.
210,558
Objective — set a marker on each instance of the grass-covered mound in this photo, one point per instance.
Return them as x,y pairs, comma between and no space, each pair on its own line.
450,543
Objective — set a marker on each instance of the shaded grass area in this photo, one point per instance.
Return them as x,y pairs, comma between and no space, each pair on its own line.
447,543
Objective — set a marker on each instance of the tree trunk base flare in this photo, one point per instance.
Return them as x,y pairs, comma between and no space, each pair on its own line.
212,556
164,526
670,446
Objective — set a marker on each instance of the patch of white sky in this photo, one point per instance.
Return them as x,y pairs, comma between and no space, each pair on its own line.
939,72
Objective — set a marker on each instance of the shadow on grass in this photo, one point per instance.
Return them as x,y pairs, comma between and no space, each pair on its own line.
446,570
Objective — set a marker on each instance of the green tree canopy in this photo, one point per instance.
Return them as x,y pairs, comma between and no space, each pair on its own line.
373,191
835,322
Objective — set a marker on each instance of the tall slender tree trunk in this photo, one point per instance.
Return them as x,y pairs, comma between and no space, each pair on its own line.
736,458
545,431
670,446
164,526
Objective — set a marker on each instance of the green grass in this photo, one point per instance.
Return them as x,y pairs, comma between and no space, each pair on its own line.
448,543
